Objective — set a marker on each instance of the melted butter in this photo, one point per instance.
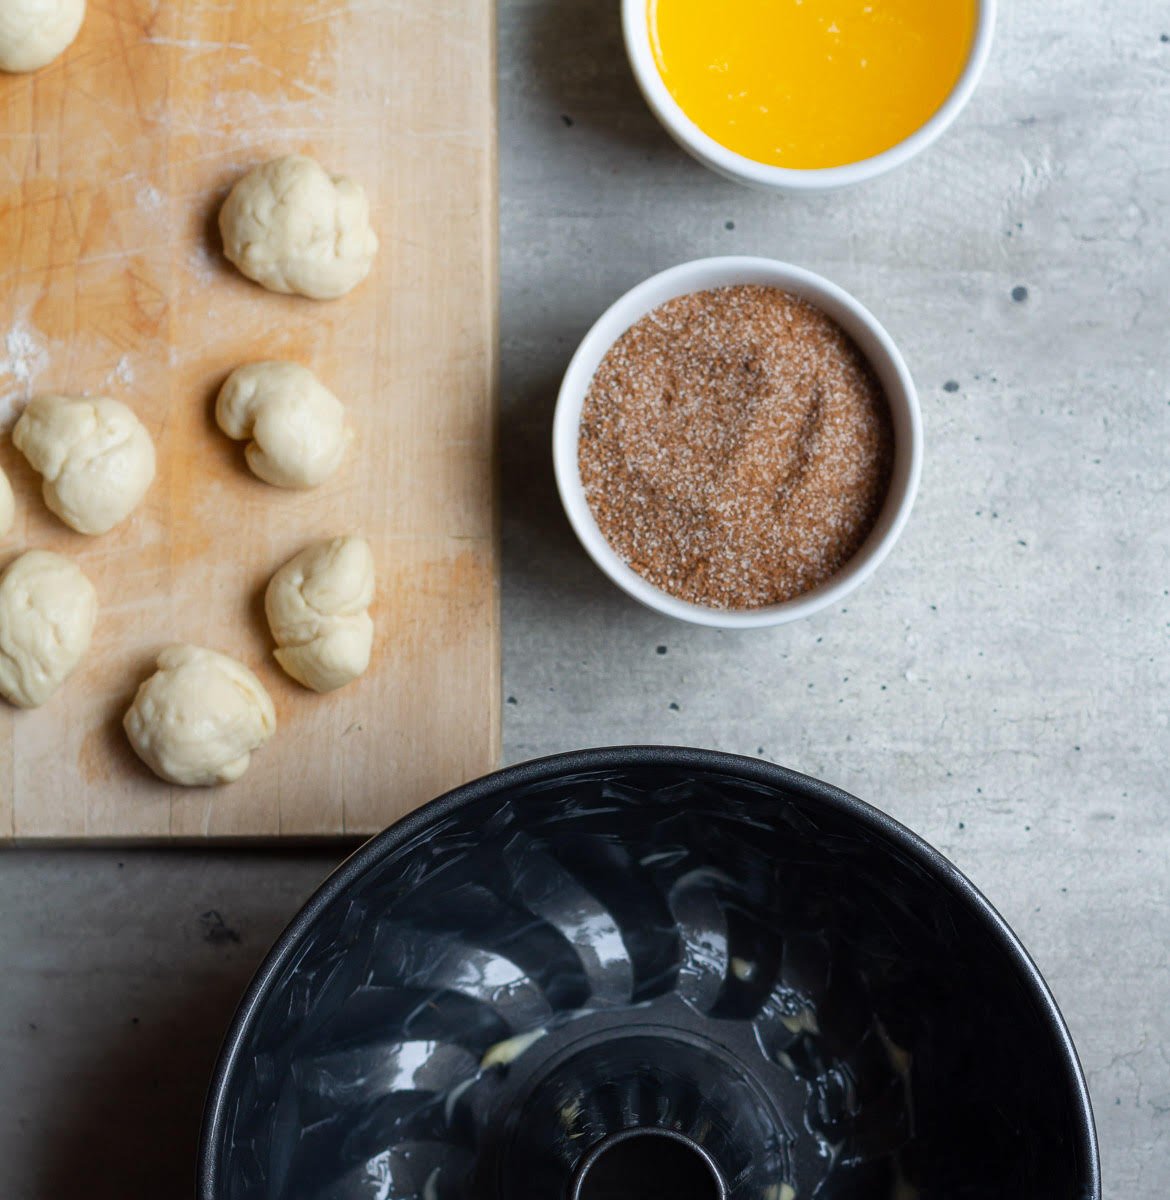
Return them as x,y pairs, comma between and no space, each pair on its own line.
780,1191
570,1115
811,83
504,1053
804,1021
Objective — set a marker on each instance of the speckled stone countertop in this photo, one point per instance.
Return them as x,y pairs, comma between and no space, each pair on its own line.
999,685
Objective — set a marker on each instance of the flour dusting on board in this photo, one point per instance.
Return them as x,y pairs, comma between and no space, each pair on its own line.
26,356
149,198
122,373
201,263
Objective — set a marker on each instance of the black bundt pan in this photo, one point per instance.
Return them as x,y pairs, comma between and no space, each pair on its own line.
648,972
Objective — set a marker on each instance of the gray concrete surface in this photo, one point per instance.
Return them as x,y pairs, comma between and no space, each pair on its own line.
1000,685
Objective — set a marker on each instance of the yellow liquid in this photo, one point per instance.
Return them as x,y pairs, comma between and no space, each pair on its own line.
811,83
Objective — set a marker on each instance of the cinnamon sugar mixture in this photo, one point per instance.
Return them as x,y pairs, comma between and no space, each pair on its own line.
735,447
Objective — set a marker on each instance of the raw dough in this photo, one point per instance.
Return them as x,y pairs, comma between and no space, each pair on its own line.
297,425
316,605
47,613
7,505
34,32
294,228
95,455
198,718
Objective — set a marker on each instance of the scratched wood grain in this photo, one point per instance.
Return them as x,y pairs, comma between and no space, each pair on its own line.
113,162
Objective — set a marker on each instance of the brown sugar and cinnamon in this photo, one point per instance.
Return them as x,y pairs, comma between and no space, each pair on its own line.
735,447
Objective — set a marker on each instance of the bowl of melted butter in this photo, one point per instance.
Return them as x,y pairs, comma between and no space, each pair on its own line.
807,95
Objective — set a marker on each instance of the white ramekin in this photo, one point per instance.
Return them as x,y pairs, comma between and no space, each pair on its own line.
636,27
873,341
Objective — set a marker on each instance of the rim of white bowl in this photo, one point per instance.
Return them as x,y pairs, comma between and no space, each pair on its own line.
870,337
737,167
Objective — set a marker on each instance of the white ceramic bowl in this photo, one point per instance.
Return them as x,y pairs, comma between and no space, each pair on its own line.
873,341
636,28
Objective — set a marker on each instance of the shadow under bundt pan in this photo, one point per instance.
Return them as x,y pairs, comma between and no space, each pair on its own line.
621,973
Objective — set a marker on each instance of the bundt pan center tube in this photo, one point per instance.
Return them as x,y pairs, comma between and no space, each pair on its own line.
641,972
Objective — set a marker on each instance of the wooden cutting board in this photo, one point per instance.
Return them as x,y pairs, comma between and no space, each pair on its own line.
115,161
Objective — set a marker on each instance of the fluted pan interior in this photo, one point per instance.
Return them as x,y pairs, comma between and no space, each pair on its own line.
725,952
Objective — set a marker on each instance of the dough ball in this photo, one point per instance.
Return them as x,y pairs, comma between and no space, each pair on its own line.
34,32
297,425
294,228
198,718
7,505
316,605
95,455
47,613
